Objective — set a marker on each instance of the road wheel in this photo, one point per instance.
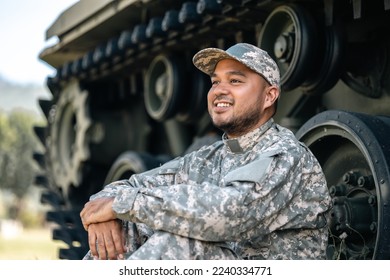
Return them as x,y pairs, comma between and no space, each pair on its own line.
354,152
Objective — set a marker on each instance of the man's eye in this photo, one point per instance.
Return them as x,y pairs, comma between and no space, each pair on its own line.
214,82
234,81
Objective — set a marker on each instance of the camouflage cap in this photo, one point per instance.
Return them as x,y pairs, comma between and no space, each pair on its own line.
251,56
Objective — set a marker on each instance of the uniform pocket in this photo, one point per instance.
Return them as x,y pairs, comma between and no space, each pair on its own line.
167,172
253,171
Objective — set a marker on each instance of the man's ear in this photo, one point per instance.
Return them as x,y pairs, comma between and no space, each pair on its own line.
272,94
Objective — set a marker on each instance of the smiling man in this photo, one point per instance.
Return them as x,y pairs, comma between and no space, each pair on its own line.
239,99
256,194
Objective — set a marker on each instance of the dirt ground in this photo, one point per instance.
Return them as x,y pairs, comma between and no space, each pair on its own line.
29,244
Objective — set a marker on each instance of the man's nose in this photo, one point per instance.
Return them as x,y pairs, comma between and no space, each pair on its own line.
221,88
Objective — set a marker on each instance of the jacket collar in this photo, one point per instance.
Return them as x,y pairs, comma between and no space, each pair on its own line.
247,141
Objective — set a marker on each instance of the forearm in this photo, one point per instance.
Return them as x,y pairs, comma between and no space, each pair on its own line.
249,202
203,211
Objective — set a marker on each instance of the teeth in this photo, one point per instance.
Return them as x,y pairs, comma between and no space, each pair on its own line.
223,105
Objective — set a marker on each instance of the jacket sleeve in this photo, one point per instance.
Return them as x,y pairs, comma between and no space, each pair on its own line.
111,190
270,193
158,176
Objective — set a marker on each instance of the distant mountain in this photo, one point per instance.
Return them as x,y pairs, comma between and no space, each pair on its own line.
13,95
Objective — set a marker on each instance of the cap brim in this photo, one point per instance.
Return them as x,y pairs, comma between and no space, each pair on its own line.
206,60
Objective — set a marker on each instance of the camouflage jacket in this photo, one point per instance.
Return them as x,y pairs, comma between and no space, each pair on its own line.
262,195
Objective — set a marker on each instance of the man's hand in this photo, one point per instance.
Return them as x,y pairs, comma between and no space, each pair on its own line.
106,240
97,211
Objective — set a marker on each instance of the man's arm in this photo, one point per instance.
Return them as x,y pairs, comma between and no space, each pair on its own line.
111,189
285,196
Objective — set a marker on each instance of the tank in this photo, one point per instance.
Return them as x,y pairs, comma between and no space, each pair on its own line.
126,98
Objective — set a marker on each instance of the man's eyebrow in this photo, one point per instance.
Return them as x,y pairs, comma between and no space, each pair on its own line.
233,72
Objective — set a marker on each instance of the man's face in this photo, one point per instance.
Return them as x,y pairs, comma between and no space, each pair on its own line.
238,98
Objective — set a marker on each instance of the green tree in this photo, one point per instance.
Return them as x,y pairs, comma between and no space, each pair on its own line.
17,144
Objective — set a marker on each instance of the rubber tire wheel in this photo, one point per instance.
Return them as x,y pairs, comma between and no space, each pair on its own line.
130,162
348,143
297,57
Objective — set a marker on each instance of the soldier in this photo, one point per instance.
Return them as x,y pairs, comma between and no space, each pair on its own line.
258,193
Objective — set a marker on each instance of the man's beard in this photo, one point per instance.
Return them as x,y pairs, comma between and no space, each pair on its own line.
240,125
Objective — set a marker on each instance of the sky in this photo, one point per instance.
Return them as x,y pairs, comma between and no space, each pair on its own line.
23,24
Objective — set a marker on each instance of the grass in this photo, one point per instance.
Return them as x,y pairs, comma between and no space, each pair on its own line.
31,244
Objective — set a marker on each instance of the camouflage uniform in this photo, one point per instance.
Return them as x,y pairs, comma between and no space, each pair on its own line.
260,196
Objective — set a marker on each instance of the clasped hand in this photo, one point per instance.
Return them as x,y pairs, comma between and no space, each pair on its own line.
105,234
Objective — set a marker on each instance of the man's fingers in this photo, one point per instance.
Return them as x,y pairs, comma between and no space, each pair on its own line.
86,226
97,244
92,243
83,217
106,240
110,247
119,242
101,247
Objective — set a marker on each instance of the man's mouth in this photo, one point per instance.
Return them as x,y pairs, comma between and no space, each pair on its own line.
223,104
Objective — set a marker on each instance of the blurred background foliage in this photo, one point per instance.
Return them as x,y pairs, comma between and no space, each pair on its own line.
24,232
17,167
